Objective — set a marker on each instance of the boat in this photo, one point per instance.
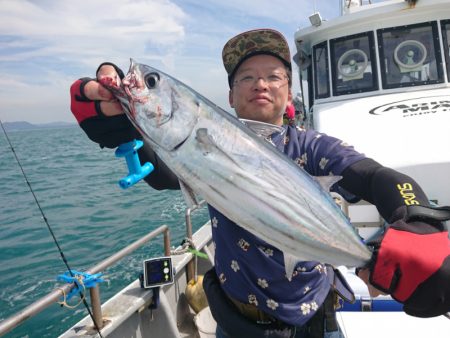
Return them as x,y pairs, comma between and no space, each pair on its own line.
378,77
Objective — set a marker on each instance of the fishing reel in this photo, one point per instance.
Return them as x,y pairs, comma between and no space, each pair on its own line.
136,172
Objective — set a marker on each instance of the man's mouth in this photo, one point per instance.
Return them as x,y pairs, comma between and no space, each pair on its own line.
260,99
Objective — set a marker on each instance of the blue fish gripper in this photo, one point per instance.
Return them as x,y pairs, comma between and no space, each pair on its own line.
136,172
82,280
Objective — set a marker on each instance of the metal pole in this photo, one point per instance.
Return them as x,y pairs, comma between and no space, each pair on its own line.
96,306
122,253
190,268
167,242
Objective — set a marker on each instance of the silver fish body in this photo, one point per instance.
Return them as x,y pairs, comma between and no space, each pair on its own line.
238,173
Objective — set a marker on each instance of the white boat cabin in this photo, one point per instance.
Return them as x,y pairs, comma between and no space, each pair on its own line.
377,77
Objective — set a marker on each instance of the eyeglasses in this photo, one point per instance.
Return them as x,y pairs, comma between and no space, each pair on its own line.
274,80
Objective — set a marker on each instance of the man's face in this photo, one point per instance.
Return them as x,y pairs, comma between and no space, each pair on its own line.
260,90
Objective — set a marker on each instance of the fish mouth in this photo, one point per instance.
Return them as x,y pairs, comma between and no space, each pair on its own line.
128,92
127,103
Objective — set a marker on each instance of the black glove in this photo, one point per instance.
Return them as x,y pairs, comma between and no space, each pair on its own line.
107,131
412,263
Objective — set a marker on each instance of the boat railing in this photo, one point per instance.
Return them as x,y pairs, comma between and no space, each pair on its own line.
191,266
54,296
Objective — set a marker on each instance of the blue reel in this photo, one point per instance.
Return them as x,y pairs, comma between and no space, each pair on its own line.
136,172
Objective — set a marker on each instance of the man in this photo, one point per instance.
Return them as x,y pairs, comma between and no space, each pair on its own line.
248,292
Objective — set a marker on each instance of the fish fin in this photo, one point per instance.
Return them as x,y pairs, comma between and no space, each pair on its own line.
188,194
261,128
290,261
327,181
207,144
204,141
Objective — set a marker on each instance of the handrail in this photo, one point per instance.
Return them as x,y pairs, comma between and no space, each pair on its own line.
188,218
133,246
191,269
52,297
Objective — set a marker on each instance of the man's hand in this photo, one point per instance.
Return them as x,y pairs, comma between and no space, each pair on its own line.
412,263
364,274
99,114
93,90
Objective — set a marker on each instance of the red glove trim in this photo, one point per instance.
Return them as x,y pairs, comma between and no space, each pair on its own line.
412,257
81,107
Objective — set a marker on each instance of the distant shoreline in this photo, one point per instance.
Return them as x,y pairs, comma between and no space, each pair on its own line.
23,125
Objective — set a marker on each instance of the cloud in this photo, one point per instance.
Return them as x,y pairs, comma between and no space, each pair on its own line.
45,44
48,44
87,28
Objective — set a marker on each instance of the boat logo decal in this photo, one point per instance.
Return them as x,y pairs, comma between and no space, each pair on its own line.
414,107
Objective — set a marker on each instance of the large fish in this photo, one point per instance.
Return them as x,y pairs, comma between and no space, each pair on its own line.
240,174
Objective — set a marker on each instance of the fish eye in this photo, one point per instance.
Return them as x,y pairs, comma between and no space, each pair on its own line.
151,80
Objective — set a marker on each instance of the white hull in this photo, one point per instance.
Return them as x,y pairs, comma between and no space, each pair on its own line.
414,142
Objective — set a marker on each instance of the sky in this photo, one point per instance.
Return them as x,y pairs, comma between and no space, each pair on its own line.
45,45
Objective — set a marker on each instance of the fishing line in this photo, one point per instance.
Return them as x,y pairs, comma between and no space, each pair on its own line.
49,227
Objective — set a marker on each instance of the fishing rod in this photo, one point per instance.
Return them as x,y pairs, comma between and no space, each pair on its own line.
61,253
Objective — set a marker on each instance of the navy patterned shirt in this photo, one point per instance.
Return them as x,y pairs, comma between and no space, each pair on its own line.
252,271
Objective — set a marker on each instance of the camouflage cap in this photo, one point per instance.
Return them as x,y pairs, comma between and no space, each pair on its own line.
258,41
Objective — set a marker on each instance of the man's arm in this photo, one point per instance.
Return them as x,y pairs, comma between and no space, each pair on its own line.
411,261
384,187
102,119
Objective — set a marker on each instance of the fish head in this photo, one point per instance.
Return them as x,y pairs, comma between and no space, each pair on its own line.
161,108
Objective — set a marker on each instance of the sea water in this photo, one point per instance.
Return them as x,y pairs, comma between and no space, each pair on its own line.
76,184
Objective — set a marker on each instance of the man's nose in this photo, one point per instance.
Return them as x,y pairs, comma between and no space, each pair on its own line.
261,83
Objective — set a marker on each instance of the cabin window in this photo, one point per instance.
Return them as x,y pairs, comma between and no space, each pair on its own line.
353,64
321,71
410,55
446,36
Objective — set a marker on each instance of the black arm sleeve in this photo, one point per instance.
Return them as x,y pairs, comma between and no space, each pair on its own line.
389,190
161,177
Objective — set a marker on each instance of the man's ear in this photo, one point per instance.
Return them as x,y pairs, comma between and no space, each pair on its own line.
290,97
230,98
